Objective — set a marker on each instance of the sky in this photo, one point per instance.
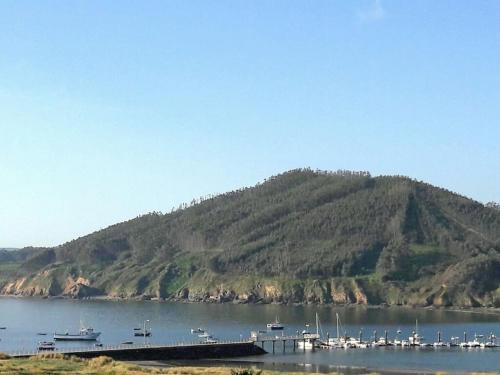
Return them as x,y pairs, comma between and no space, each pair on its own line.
112,109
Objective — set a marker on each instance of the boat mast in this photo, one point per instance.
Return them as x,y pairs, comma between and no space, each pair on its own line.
338,337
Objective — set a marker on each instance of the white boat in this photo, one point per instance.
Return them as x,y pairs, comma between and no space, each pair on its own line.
46,345
206,338
197,330
439,343
85,334
309,339
415,339
345,341
275,326
382,341
491,343
211,340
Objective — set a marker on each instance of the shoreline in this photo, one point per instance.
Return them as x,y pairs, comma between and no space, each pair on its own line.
474,310
284,367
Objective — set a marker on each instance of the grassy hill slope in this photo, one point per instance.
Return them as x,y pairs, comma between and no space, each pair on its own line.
302,236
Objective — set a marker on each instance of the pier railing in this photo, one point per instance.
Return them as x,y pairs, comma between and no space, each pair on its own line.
105,348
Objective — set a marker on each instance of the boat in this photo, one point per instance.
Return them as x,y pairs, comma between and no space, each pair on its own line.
46,345
197,330
141,333
204,335
85,334
454,341
345,341
382,341
415,339
470,344
127,343
3,327
439,343
309,339
475,343
42,334
209,340
491,343
275,326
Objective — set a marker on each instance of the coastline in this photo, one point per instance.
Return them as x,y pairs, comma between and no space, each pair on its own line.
281,367
474,310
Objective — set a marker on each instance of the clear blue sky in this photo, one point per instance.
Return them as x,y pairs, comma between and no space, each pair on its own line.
111,109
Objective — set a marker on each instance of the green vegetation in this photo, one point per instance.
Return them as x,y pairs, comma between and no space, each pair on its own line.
300,237
53,363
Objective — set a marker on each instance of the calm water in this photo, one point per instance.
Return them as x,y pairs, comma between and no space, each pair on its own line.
171,322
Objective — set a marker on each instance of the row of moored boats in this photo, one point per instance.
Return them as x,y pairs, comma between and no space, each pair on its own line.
311,340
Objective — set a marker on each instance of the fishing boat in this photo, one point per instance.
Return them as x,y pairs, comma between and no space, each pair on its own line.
85,334
46,345
275,326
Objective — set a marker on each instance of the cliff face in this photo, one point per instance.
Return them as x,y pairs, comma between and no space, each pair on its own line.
301,237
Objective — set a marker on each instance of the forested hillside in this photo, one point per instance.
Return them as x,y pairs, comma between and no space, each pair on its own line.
302,236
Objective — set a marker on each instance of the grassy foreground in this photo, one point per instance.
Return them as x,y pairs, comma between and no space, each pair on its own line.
54,363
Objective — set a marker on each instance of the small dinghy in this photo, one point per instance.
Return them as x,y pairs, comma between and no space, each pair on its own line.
142,334
46,345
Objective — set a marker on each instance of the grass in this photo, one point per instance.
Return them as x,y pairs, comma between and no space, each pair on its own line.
8,270
55,363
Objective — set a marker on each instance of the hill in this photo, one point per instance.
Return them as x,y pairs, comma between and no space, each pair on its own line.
300,237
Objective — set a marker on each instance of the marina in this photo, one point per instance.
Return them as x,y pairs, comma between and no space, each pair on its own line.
361,332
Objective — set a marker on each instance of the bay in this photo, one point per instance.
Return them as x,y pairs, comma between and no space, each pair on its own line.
171,322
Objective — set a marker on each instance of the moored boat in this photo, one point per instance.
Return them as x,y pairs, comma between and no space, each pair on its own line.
275,326
46,345
85,334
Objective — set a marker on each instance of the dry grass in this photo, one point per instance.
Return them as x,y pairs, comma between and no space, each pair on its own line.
56,363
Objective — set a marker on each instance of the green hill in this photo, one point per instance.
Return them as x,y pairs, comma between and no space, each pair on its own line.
300,237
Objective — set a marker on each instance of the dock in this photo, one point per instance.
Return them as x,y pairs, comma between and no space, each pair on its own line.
150,352
291,340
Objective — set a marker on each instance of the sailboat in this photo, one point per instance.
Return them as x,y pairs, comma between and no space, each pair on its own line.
345,341
275,326
309,338
415,339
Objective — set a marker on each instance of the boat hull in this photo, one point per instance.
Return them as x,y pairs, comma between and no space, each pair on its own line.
67,337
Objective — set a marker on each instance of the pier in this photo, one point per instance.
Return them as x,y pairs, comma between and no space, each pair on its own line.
282,341
150,352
